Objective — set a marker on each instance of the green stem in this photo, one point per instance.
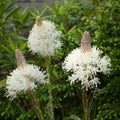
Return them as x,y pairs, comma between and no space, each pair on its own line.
51,108
36,106
85,104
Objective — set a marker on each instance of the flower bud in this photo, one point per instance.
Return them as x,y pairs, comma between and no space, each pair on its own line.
21,62
85,42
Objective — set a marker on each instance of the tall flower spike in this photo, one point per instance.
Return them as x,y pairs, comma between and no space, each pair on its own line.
85,42
38,21
44,38
25,77
86,66
21,62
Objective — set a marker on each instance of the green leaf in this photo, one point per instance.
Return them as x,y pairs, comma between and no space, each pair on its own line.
2,83
23,46
2,9
55,73
71,30
12,12
26,17
62,27
43,11
12,45
21,38
35,13
51,10
6,49
10,5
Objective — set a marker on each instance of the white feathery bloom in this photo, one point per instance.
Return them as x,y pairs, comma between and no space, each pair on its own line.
85,62
44,38
25,77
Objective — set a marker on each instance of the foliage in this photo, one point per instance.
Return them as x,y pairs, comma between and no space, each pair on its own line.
101,19
14,26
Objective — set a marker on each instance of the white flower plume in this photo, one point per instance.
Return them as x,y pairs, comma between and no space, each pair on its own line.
85,62
44,38
25,77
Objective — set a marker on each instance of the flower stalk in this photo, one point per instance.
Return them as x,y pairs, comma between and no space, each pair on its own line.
85,63
21,62
85,104
85,47
44,39
36,105
51,108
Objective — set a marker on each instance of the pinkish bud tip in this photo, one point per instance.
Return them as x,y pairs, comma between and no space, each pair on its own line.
20,58
85,42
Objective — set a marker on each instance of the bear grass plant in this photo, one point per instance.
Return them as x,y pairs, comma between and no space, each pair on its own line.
103,26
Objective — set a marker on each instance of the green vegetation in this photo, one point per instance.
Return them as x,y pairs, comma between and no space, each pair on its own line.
100,18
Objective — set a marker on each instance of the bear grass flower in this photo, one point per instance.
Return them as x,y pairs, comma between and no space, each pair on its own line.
85,62
24,78
44,38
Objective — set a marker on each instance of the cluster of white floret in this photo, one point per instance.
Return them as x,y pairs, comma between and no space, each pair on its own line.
25,78
44,38
84,62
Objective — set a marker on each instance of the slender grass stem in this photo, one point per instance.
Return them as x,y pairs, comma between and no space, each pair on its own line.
36,106
51,108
